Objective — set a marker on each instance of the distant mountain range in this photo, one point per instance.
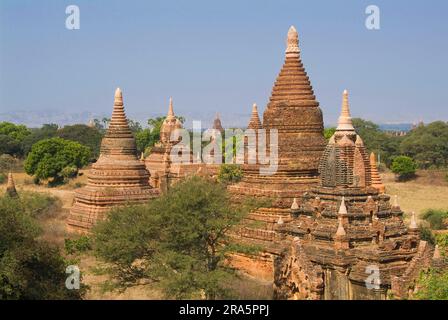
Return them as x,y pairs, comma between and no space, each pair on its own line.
38,118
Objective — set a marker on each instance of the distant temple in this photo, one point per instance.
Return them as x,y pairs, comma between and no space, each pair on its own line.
117,178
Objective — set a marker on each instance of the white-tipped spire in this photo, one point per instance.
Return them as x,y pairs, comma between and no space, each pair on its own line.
280,221
294,205
396,204
170,109
118,98
342,207
292,42
345,119
341,231
413,223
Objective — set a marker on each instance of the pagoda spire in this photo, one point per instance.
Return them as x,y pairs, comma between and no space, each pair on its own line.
342,207
345,119
413,224
118,124
341,231
254,122
170,114
375,176
11,187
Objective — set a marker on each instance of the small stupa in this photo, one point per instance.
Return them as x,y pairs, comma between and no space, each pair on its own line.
11,187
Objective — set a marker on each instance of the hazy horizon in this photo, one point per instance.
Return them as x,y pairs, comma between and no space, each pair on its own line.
221,57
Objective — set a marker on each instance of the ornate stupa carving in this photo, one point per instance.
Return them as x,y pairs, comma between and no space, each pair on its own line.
376,179
254,122
349,231
118,177
11,187
294,112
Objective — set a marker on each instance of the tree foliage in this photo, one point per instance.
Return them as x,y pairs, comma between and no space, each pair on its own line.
11,138
29,268
427,145
85,135
179,241
230,173
433,285
404,167
47,131
48,158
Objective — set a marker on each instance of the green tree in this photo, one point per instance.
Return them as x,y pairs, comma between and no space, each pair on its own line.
404,167
47,131
179,241
29,268
433,285
329,132
230,173
49,157
428,145
11,138
85,135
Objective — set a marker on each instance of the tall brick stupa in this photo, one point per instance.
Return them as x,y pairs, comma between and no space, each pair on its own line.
294,112
117,178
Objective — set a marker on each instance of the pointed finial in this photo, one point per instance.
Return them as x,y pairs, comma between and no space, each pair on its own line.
142,156
118,97
396,204
254,108
342,207
413,223
341,231
280,221
345,119
170,109
295,205
436,254
11,186
292,42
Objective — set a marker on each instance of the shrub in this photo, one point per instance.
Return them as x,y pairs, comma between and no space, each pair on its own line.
3,178
442,240
433,285
427,235
82,244
404,167
436,218
230,173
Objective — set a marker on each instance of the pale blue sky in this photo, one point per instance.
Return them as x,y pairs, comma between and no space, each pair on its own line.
221,56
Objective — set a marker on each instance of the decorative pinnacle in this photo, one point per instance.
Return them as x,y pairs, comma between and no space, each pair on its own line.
396,204
292,42
170,109
254,108
118,101
413,224
342,207
280,220
345,119
341,231
295,205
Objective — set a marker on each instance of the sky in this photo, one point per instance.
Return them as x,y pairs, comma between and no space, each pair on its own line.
222,56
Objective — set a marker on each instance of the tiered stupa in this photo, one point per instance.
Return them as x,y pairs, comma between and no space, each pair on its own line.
117,178
346,239
11,187
164,172
295,113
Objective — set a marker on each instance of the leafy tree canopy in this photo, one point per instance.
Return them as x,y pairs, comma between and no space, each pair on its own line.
49,157
85,135
29,268
11,138
404,167
179,241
